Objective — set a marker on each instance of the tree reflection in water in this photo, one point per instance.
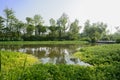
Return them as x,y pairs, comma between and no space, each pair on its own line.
56,54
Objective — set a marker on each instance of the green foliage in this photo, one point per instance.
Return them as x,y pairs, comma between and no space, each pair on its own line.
10,59
104,58
38,20
74,30
116,36
94,31
42,42
1,23
11,62
30,29
100,55
58,72
12,29
53,29
63,23
65,72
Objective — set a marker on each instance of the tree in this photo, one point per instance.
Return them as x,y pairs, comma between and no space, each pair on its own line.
86,28
9,18
30,27
38,20
41,29
52,22
63,23
1,23
53,28
74,30
95,31
30,30
1,27
116,35
19,28
29,21
11,22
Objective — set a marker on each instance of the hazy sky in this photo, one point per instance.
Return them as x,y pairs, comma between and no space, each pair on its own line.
107,11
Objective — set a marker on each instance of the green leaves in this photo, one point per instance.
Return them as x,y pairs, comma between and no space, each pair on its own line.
94,31
103,54
74,30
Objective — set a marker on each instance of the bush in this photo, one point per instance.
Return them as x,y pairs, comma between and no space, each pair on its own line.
66,72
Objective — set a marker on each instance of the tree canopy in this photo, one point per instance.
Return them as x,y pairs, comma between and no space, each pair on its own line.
12,28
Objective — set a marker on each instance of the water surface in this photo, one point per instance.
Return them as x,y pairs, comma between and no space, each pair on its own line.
52,53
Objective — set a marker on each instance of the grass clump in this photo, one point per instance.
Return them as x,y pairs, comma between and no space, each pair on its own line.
11,62
10,59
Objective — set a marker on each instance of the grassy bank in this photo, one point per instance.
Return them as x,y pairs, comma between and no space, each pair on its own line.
43,42
10,60
15,61
104,58
101,54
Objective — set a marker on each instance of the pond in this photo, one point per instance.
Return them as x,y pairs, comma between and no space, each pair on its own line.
55,54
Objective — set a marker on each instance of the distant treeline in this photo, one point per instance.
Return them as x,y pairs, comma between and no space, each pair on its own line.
12,29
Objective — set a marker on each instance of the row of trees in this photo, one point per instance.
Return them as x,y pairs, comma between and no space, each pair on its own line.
12,28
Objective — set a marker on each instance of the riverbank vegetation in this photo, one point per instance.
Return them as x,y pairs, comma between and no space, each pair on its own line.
100,55
41,42
34,29
104,61
106,57
15,61
10,60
